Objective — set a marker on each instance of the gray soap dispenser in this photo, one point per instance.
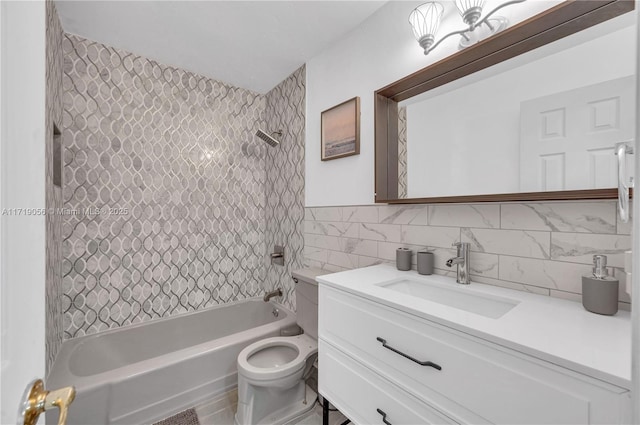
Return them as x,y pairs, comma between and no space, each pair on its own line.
599,290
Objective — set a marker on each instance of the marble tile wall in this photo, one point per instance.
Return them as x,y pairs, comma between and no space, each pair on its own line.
543,248
285,111
164,183
53,193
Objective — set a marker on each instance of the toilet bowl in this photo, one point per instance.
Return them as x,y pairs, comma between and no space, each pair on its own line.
277,362
272,371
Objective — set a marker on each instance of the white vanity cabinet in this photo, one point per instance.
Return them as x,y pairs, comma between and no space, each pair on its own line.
374,358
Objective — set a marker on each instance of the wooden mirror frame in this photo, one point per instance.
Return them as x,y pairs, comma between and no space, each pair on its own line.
560,21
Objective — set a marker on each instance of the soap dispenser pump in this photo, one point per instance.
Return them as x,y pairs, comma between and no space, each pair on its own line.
599,290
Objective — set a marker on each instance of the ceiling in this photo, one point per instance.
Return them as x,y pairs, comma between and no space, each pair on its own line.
249,44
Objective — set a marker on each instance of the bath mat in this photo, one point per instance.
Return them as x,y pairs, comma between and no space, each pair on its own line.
187,417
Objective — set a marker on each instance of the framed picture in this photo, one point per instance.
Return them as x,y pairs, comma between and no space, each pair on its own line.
340,130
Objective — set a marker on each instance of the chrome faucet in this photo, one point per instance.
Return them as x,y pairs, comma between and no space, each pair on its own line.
274,293
462,261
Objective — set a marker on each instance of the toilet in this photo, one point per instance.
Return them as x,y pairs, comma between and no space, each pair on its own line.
272,371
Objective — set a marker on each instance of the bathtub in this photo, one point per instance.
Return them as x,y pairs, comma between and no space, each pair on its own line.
145,372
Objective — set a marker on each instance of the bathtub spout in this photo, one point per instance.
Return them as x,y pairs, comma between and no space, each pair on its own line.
274,293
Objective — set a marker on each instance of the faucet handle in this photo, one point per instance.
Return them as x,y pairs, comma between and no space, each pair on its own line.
462,248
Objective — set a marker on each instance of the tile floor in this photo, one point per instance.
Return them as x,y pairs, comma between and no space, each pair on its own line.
221,411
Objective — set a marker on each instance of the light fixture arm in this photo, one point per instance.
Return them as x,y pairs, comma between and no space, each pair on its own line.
463,32
486,18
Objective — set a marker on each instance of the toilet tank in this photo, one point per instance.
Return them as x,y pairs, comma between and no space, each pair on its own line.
307,299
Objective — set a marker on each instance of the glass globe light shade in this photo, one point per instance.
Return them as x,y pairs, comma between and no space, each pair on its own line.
470,10
425,20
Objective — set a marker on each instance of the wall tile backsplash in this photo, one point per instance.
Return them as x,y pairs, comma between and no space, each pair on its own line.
542,248
172,159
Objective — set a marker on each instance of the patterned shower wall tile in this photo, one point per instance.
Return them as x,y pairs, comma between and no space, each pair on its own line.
53,194
442,237
350,230
581,247
403,214
478,216
582,217
174,156
402,152
285,213
509,242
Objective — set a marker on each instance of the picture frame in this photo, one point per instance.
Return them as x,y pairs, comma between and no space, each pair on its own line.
340,130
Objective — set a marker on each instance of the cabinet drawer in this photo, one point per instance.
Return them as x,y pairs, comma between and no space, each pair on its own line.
362,395
469,379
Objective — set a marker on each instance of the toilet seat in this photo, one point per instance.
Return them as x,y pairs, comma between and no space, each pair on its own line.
303,344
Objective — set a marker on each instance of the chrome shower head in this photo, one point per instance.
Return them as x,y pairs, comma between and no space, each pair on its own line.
269,139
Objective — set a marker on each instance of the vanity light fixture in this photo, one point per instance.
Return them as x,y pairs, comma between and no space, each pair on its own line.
425,20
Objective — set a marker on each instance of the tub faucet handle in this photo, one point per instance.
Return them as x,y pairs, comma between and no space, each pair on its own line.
277,256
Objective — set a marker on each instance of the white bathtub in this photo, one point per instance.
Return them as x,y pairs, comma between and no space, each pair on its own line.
145,372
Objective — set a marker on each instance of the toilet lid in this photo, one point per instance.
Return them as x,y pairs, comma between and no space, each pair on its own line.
277,357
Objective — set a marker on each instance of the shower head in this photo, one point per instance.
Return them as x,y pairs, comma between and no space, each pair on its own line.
269,139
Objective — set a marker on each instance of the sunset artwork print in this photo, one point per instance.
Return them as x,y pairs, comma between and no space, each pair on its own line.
341,130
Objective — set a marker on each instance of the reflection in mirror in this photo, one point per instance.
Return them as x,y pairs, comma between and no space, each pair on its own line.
402,152
546,120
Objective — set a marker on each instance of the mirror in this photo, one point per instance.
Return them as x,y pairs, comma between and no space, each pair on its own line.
542,124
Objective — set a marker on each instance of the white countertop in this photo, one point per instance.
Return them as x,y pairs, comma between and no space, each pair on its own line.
556,330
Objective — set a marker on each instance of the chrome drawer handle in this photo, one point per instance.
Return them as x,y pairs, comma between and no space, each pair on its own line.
406,356
384,417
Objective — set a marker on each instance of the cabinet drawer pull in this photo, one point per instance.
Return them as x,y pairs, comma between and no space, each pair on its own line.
406,356
384,417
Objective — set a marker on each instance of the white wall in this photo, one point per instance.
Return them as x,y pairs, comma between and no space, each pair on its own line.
635,276
467,139
22,185
378,52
